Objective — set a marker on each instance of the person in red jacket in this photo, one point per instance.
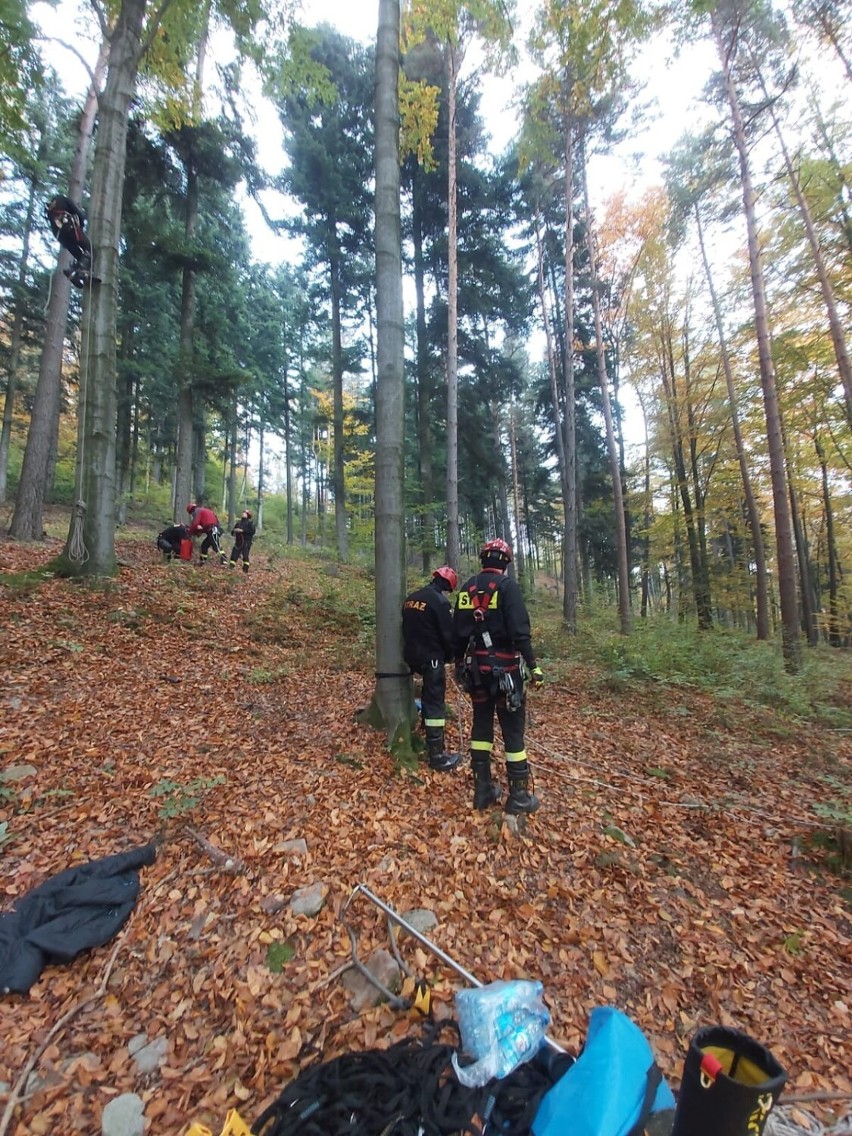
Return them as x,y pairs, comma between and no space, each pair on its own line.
204,520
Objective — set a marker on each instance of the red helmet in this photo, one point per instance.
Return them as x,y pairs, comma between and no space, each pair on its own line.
191,508
447,573
496,549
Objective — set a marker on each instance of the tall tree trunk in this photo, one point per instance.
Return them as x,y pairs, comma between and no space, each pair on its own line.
90,548
612,448
571,583
834,636
36,470
424,383
261,470
288,455
453,533
761,591
835,325
668,379
187,486
17,333
701,583
785,555
392,696
339,474
520,558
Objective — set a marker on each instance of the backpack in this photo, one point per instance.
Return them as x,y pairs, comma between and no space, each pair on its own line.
611,1089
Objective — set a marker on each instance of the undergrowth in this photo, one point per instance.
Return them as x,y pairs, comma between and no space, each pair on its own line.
728,664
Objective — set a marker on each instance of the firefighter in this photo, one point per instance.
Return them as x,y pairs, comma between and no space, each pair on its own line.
169,540
492,636
205,521
243,534
427,632
68,223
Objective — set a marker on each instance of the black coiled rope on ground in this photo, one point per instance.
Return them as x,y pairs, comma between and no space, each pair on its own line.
408,1089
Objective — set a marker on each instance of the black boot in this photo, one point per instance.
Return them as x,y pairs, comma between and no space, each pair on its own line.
730,1084
440,761
521,800
485,791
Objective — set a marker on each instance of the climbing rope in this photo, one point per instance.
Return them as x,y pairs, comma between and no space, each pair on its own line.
408,1089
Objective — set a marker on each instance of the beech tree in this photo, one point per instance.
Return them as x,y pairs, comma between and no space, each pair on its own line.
453,24
392,698
730,23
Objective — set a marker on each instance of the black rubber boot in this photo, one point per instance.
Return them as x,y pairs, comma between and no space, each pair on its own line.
521,800
730,1085
440,761
485,791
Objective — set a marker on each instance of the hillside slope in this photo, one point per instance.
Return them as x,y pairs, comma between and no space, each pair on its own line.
215,711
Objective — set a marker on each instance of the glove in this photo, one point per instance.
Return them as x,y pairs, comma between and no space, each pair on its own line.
536,678
461,675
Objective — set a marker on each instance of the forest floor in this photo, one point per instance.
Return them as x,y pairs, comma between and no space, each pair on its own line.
676,868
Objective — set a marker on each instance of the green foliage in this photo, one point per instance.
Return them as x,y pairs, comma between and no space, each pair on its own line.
261,675
730,664
180,799
277,954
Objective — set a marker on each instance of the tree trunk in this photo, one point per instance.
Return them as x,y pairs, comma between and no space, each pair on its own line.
339,475
785,556
453,532
16,336
392,698
90,548
612,448
838,336
761,591
36,470
834,636
520,558
424,384
571,584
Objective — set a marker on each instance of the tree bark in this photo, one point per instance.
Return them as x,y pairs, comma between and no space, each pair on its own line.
90,548
36,470
339,472
612,448
16,337
392,698
785,556
761,591
453,531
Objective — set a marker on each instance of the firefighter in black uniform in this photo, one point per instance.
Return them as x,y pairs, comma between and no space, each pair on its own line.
427,632
68,223
170,539
492,636
243,534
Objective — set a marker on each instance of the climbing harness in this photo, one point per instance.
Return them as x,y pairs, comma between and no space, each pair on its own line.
481,600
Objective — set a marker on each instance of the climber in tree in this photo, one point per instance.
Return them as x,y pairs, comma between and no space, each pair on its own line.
68,223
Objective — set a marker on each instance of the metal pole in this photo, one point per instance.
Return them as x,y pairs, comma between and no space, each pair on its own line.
471,979
391,914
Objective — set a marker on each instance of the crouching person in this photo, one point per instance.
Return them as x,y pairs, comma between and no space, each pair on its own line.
169,540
